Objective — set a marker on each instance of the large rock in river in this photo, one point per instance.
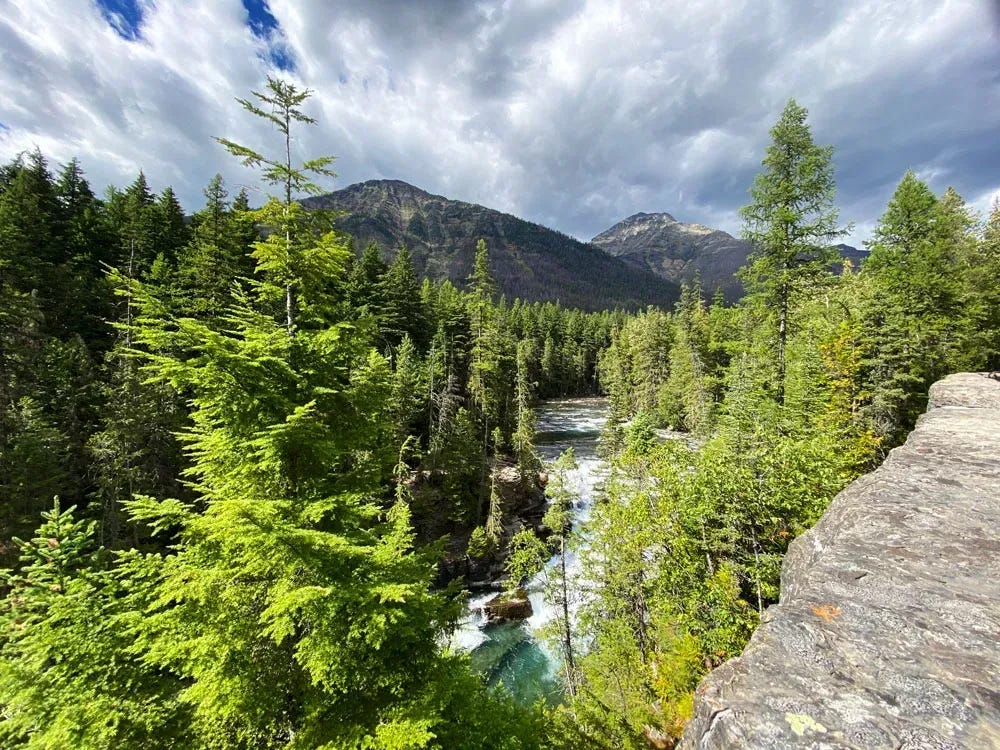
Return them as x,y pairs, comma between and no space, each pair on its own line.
508,606
887,634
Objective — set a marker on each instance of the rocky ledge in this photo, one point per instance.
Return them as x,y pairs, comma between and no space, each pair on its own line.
887,634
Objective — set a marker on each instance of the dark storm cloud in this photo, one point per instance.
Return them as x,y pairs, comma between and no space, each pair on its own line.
572,114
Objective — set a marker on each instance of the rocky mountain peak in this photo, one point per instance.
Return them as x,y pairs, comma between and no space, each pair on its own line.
390,189
676,250
528,260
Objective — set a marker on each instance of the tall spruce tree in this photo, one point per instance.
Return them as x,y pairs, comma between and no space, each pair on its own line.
791,221
294,605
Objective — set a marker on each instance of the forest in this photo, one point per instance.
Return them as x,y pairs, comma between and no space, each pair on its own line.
247,469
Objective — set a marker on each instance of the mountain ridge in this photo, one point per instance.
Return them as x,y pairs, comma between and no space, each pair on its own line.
529,260
638,261
680,251
677,250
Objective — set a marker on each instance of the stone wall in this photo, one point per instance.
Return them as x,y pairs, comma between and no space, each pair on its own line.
887,634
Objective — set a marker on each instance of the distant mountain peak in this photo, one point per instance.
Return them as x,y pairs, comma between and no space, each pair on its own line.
528,260
646,217
679,251
390,186
676,250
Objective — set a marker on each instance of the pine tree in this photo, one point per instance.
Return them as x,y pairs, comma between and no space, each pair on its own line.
915,323
294,606
524,433
217,258
365,283
986,278
86,298
69,675
282,256
137,227
791,221
172,229
400,311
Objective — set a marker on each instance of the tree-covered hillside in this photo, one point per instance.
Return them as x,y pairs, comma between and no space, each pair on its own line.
246,471
529,261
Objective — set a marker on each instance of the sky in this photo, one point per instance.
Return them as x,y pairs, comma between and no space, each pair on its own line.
570,114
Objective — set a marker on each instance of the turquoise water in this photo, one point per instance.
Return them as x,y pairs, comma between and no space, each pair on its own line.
513,654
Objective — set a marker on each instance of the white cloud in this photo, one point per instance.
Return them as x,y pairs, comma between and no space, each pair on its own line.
571,114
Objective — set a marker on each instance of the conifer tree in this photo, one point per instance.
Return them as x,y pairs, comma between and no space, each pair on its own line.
401,312
915,321
172,229
294,606
791,220
282,256
217,257
365,284
986,279
68,674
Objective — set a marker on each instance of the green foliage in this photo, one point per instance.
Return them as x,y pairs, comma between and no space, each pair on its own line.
791,220
289,439
69,675
926,309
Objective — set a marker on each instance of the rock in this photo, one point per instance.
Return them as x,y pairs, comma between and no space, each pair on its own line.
887,634
678,251
508,606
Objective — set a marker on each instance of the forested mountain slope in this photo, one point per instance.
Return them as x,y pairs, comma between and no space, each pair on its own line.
529,261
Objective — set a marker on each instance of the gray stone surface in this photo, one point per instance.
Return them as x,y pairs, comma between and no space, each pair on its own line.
887,634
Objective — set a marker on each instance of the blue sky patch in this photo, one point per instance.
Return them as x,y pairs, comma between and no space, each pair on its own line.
262,22
124,16
265,27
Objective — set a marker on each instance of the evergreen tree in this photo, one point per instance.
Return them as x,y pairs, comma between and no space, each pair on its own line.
364,288
294,606
401,311
986,279
69,676
791,221
915,323
284,259
217,257
172,229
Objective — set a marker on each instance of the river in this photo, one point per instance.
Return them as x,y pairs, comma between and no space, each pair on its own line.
514,653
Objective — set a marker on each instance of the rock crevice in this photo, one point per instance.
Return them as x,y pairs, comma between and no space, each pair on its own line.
887,634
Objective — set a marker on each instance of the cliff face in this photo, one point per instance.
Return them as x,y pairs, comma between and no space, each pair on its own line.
888,630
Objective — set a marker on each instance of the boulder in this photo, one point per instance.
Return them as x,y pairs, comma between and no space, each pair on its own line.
508,606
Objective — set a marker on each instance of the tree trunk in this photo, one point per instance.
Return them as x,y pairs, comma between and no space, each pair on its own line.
567,630
782,338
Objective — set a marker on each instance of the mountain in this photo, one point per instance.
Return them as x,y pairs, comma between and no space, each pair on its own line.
677,251
529,261
853,254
